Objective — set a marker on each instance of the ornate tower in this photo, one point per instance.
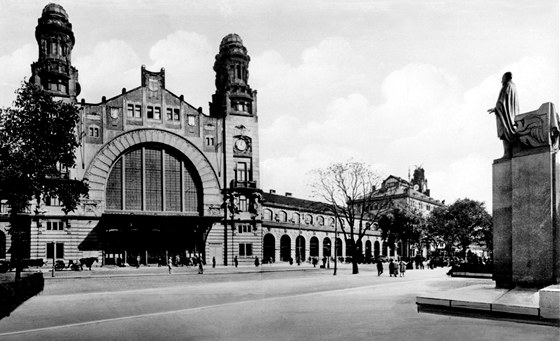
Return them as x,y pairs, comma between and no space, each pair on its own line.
54,70
233,93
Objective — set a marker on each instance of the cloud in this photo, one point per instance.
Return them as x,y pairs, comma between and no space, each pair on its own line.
188,61
426,117
16,67
112,66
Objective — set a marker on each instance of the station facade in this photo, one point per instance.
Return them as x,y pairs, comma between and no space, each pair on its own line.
169,179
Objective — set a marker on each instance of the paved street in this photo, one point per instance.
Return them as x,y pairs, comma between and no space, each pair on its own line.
250,305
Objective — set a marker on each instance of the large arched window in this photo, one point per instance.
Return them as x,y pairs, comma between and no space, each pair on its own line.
154,178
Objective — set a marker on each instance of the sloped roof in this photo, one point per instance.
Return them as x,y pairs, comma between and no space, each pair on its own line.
283,201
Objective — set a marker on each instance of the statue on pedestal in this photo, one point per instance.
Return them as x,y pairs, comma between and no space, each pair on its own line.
507,107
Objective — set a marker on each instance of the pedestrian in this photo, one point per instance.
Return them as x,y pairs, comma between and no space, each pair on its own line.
402,268
257,262
200,268
169,263
324,262
379,267
235,261
213,262
137,262
391,267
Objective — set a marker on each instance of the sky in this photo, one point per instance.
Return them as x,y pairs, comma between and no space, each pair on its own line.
393,83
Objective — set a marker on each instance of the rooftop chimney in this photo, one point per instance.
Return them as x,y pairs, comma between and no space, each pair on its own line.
272,191
288,194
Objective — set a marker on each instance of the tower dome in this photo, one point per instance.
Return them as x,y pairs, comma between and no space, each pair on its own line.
233,93
54,70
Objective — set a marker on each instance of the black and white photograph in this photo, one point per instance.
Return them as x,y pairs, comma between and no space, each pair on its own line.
279,170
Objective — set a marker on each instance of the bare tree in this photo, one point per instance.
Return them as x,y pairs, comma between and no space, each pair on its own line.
349,189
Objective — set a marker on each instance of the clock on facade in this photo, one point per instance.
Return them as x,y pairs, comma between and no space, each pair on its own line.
241,145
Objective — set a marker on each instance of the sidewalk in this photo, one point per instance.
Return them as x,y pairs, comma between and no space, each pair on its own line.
485,301
114,271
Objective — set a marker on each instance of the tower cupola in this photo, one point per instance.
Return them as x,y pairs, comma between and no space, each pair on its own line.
54,71
233,93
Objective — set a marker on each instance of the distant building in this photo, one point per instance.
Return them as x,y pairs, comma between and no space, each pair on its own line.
405,194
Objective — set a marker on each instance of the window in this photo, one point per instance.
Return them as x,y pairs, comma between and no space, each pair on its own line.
130,110
241,171
93,131
173,114
242,204
59,250
321,221
209,140
245,249
52,201
4,207
150,112
55,226
137,111
267,214
282,216
142,177
309,219
157,113
243,228
191,121
295,218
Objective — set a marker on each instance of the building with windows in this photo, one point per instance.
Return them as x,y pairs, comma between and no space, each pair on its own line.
169,179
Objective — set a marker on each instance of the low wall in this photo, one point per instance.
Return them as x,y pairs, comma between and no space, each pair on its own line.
12,294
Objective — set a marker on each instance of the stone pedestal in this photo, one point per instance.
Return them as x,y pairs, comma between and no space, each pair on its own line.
525,204
501,209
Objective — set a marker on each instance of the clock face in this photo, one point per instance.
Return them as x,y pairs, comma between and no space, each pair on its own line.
241,145
416,187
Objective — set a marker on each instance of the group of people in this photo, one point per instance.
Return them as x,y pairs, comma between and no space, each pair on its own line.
395,268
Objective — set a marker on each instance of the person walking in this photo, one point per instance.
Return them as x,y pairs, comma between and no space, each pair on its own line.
200,268
391,267
402,268
137,262
213,262
235,261
379,266
169,261
257,262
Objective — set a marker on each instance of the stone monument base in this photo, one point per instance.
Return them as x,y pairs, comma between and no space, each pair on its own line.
525,204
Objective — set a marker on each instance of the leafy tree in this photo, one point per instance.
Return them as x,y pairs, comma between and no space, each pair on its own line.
464,222
400,224
37,144
347,188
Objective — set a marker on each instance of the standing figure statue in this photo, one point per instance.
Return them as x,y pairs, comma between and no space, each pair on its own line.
507,107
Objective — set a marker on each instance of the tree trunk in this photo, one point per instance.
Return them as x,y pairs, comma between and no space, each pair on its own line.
355,256
15,231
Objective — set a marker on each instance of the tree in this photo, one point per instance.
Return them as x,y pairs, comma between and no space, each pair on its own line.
348,189
459,225
37,144
401,224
